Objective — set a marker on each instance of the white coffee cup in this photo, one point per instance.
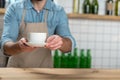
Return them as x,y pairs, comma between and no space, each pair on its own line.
37,38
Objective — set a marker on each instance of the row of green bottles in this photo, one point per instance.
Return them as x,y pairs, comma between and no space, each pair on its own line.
73,61
76,6
117,8
90,7
85,61
93,7
57,60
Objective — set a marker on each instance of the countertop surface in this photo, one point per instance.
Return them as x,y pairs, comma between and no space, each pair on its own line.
58,74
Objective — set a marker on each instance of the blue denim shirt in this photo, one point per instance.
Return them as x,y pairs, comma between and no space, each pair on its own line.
57,21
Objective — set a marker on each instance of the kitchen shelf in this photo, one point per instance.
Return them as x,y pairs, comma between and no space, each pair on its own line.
93,17
84,16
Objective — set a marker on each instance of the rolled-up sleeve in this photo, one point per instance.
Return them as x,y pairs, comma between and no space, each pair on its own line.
63,27
10,27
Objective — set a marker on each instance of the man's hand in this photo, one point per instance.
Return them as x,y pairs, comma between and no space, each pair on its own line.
54,42
24,47
12,48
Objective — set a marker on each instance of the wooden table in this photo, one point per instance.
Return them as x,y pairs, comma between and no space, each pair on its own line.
58,74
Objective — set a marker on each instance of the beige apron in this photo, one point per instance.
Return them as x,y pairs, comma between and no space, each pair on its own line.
40,57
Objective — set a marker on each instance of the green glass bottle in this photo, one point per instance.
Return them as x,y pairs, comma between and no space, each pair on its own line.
86,7
89,58
75,58
76,6
82,59
70,60
117,8
57,59
64,60
95,7
109,7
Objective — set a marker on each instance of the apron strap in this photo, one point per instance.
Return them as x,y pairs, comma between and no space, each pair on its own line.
46,15
23,15
22,25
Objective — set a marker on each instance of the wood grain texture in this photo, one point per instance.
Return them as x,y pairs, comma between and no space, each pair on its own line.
57,74
2,11
94,17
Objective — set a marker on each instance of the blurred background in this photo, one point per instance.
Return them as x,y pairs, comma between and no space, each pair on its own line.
101,36
96,28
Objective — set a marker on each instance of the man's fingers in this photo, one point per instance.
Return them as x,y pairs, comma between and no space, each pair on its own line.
22,43
23,40
51,38
55,46
55,40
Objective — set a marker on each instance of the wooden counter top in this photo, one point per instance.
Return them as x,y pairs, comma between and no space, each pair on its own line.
58,74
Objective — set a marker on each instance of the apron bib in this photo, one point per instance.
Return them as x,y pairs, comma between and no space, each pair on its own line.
40,57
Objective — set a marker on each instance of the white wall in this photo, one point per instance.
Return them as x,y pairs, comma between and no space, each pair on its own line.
102,37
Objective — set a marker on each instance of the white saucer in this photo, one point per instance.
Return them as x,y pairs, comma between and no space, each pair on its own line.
36,44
